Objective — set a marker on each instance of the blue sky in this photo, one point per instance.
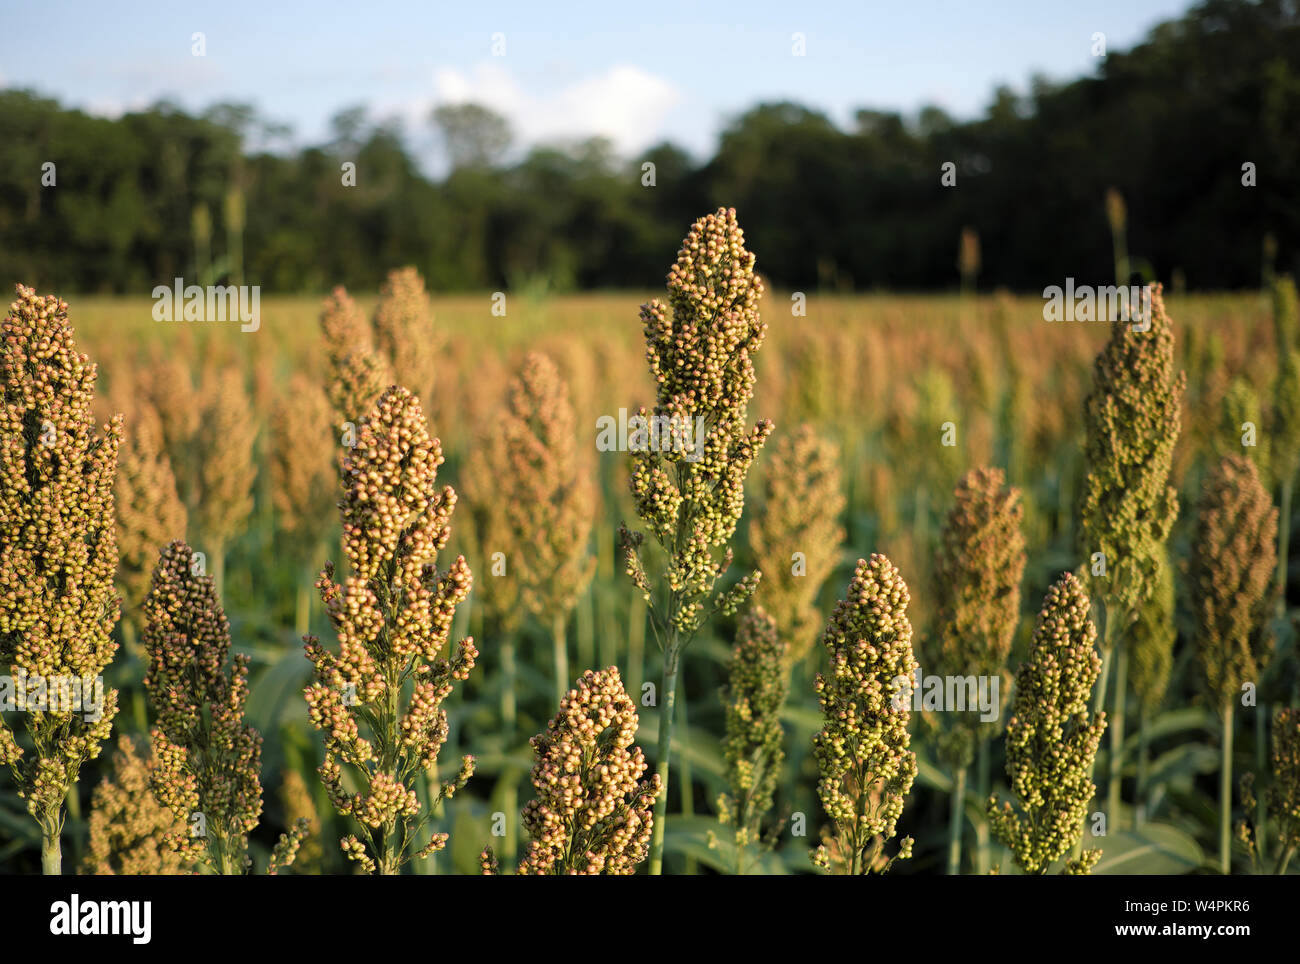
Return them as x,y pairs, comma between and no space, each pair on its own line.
637,73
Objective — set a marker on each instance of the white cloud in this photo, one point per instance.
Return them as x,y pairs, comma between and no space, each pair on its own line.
624,103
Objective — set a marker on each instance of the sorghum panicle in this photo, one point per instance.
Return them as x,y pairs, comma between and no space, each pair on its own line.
1052,737
752,701
167,385
150,513
1284,792
802,503
128,826
549,499
57,601
393,616
592,813
862,750
1132,422
700,347
207,759
1241,411
357,373
487,481
1232,564
227,466
978,570
1151,641
403,328
300,809
304,479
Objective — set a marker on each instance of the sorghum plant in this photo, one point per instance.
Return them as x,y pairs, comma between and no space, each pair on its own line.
1152,658
1282,798
393,616
227,467
167,386
1241,413
700,347
1285,434
1231,573
492,540
550,501
978,570
862,749
304,480
535,504
58,607
403,327
1128,507
357,374
1284,793
206,758
300,809
128,826
150,513
752,747
592,811
797,537
1052,737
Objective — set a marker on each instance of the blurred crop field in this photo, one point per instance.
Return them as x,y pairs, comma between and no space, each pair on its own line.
885,378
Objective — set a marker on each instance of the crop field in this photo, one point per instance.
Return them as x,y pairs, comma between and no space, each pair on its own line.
959,502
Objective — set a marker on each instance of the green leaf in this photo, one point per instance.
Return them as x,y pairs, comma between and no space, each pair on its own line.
1155,849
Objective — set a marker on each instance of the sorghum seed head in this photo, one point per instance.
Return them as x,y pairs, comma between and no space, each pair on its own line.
1232,565
1052,736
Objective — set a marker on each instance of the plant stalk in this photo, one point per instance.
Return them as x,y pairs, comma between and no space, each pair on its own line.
561,654
51,848
667,715
688,790
1115,781
982,852
1283,545
1225,793
1144,760
955,821
1261,767
510,797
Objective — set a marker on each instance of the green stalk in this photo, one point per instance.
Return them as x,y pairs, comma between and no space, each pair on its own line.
982,851
1225,793
1115,781
688,791
955,822
1098,702
586,632
1283,545
51,849
510,796
1144,759
1261,767
138,711
561,654
666,717
1099,693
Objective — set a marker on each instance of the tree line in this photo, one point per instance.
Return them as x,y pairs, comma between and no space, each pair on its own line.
1192,134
